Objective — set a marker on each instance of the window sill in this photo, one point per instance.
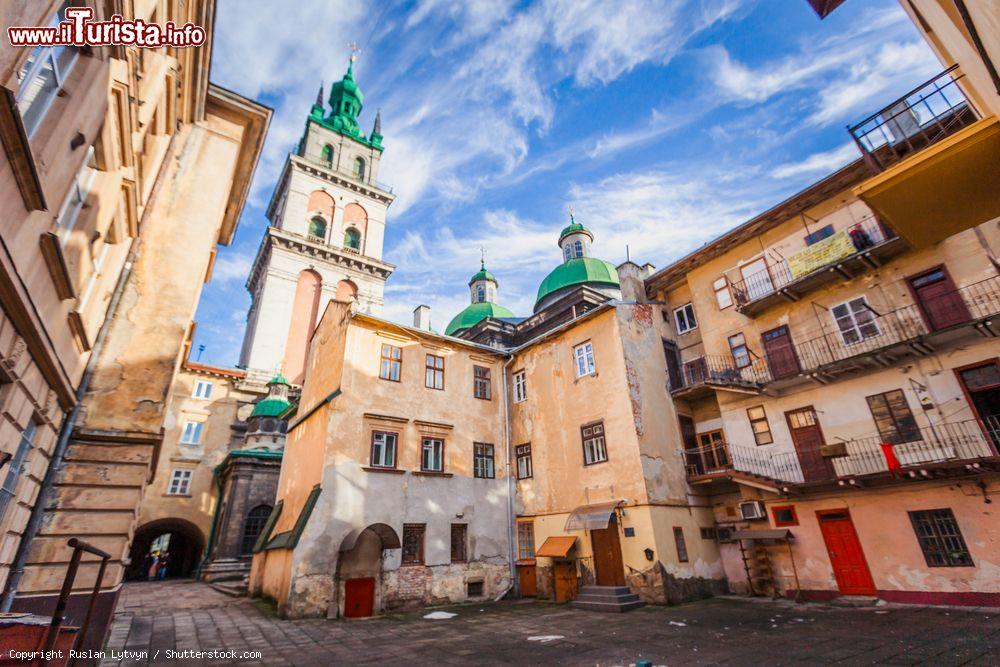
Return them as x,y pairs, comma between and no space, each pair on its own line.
432,473
55,262
585,377
177,495
391,471
525,561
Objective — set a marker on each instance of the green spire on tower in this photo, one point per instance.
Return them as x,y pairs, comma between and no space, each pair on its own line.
346,101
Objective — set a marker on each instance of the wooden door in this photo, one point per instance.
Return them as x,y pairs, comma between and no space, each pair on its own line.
981,384
846,556
564,575
359,597
756,279
780,352
808,439
689,436
526,581
673,357
608,566
939,303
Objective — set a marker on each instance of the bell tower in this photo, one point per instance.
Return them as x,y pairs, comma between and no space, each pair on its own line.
327,222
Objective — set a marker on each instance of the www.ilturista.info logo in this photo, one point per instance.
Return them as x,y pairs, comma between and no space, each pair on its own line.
79,30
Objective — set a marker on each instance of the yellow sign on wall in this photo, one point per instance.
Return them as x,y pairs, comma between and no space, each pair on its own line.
820,254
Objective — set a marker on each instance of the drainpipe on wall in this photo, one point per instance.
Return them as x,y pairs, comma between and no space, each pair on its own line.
55,463
511,523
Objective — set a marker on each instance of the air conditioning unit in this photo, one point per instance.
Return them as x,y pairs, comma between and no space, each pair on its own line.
752,509
724,534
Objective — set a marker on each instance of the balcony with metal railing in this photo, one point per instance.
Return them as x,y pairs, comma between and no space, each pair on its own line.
925,115
722,460
842,255
918,328
704,375
923,452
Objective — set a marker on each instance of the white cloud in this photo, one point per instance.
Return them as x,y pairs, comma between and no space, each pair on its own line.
818,163
231,265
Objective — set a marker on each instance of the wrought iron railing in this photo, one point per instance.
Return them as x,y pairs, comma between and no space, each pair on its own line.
871,331
721,370
778,274
925,115
721,457
954,441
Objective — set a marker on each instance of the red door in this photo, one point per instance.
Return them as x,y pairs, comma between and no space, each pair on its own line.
848,560
780,352
941,305
808,440
359,597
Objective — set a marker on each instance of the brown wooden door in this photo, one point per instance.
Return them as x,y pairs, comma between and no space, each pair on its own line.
689,436
982,389
359,597
673,358
940,304
608,566
846,556
526,580
780,352
808,439
564,576
714,456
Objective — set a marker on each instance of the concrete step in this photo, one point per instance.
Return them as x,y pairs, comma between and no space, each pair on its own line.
231,588
604,590
612,607
854,601
597,597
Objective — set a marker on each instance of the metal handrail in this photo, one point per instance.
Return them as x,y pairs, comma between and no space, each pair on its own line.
721,457
59,614
722,370
914,121
775,275
949,441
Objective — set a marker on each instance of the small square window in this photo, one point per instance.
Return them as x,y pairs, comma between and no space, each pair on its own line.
474,589
202,389
784,515
191,434
940,539
180,482
819,234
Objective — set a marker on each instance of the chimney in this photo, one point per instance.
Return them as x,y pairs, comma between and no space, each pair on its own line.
422,317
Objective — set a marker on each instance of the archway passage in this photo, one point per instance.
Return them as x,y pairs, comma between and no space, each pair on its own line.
181,541
359,568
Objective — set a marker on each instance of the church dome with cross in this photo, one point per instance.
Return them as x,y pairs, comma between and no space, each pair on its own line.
483,292
579,267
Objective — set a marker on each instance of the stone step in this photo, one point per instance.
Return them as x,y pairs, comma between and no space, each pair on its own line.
854,601
606,590
612,607
597,597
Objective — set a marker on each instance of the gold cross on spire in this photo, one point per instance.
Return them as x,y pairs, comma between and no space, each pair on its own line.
355,51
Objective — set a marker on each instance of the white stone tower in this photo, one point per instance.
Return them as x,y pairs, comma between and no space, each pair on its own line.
327,218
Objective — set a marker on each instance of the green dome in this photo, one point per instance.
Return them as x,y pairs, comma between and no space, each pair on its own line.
579,271
483,274
270,407
347,86
574,227
475,313
279,379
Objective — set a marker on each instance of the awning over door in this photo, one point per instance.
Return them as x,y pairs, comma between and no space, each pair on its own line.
774,534
592,517
557,546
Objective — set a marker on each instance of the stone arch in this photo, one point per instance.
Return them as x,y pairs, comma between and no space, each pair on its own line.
359,569
317,227
327,154
186,546
356,216
305,310
359,167
346,290
352,239
321,202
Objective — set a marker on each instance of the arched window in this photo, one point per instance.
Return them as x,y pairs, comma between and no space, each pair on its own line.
568,251
317,228
578,248
480,293
359,167
253,526
327,154
346,291
352,239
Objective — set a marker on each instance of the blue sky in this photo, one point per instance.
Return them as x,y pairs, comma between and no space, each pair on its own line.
663,122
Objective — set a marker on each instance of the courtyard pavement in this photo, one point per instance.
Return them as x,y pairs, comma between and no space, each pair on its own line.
179,615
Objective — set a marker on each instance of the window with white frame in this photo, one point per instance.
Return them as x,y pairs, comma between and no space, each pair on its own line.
202,389
855,320
432,455
520,387
42,77
192,433
384,449
584,356
16,466
594,448
76,197
180,482
723,296
684,319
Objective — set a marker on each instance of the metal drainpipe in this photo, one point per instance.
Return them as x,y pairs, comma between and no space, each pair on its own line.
511,532
48,482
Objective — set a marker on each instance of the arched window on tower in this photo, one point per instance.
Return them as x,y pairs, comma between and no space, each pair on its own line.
352,239
253,526
480,293
359,168
578,248
568,251
327,154
317,228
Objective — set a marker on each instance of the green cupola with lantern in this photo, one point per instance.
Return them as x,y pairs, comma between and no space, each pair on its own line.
268,422
483,293
345,103
579,267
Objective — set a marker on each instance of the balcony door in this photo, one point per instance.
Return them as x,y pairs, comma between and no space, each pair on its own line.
689,437
780,352
982,388
673,358
757,279
940,304
714,457
808,440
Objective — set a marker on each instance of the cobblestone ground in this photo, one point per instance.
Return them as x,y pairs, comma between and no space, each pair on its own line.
157,616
